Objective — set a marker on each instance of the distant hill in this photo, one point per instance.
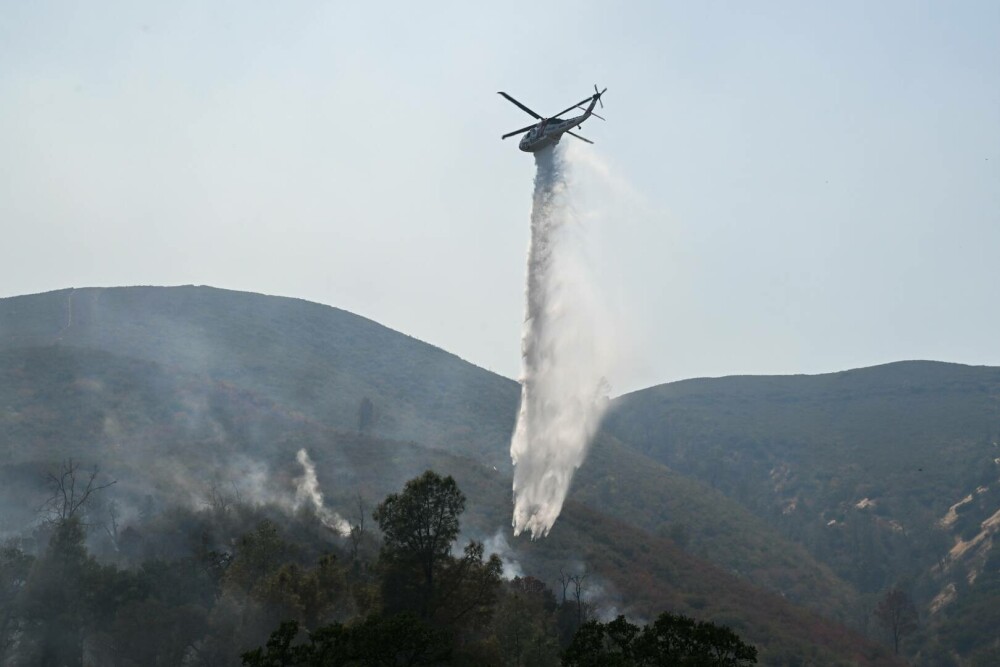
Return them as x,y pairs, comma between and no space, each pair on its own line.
888,474
176,389
320,359
320,363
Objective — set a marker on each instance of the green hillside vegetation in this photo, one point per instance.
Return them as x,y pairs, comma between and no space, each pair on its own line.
861,467
192,347
170,433
704,522
737,500
320,360
189,444
651,573
970,626
201,587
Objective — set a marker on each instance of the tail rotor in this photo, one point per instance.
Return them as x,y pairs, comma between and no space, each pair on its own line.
598,95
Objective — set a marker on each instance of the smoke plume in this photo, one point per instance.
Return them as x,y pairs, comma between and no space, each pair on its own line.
497,544
307,491
563,364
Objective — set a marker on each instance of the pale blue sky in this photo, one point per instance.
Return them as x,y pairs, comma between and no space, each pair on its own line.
813,186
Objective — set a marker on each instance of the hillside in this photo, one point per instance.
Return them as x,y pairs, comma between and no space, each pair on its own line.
318,364
322,360
824,490
99,407
174,440
121,386
888,474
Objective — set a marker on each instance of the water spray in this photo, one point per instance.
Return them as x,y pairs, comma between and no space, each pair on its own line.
562,380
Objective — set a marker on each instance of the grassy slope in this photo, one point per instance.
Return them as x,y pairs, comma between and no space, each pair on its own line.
318,363
913,438
321,359
886,419
797,452
656,499
175,435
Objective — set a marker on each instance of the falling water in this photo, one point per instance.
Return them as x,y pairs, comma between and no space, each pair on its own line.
562,377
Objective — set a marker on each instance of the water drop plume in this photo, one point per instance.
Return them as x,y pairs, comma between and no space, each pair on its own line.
562,374
307,491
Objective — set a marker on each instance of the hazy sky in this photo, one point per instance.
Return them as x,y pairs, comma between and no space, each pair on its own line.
793,187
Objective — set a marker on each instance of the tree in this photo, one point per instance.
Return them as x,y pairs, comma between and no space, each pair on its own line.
377,641
357,535
597,644
401,639
419,526
154,633
419,574
672,639
897,614
112,524
313,596
578,590
58,600
468,586
523,624
14,568
574,610
258,553
70,495
366,415
279,652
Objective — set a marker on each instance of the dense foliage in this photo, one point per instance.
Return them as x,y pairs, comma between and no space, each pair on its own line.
291,589
670,640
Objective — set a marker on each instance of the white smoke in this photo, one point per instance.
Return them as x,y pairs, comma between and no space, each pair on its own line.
564,355
498,544
307,491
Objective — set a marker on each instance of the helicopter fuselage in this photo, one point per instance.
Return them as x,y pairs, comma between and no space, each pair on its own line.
548,133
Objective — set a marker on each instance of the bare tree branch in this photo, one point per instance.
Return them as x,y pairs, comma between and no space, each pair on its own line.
66,501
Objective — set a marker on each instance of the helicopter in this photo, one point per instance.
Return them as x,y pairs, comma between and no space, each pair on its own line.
548,131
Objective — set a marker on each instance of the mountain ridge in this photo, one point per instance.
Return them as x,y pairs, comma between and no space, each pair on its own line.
726,466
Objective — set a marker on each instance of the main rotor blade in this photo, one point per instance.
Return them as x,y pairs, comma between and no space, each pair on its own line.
592,114
521,131
579,137
522,107
573,107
